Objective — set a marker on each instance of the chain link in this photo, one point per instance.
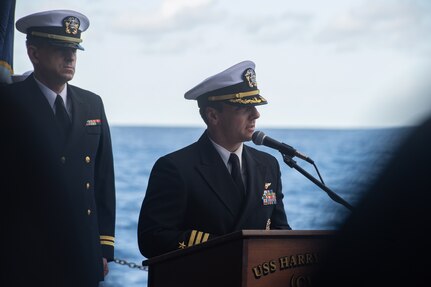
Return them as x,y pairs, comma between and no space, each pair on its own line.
130,264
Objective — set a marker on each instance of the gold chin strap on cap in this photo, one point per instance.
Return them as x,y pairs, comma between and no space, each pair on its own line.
56,37
233,96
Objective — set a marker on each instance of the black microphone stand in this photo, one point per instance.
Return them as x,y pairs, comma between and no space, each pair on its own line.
290,162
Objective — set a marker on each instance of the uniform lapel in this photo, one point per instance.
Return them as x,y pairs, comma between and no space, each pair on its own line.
255,185
38,102
38,109
215,173
39,106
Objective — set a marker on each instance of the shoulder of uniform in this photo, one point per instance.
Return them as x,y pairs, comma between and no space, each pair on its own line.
259,155
80,91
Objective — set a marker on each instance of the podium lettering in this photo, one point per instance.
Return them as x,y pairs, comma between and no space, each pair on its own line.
264,269
297,260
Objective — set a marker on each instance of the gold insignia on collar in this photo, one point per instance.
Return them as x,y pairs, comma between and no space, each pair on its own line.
182,245
250,76
267,184
71,25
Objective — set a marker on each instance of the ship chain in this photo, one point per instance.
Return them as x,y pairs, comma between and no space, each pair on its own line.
130,264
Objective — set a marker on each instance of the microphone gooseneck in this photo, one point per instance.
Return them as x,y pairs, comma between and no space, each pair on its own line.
259,138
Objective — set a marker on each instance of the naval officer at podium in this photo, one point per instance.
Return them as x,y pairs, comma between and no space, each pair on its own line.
218,184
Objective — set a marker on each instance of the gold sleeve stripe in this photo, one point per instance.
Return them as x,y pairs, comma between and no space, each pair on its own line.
106,237
104,242
192,238
206,235
198,239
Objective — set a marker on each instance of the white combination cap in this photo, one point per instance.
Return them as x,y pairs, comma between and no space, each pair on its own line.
236,85
57,27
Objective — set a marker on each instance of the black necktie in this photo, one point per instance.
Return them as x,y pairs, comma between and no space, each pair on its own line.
236,173
62,116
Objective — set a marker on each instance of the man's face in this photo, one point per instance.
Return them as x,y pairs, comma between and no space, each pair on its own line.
56,63
238,123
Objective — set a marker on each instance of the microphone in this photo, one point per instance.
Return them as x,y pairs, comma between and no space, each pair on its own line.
259,138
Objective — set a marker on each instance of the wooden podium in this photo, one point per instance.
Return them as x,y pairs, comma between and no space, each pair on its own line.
245,258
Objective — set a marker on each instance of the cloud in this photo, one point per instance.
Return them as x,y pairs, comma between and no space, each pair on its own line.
170,17
277,28
170,26
406,102
386,24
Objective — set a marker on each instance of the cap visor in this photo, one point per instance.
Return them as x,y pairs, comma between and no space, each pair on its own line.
66,45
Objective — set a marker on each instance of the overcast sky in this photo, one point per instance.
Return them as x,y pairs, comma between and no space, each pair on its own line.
321,64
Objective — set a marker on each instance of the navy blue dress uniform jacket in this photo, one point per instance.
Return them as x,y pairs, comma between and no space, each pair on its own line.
85,162
191,198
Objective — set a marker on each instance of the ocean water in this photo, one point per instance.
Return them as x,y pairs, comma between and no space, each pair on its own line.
348,161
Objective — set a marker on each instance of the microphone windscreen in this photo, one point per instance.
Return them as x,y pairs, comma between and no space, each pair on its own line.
258,137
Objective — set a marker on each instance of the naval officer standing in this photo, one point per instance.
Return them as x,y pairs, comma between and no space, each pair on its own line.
69,123
218,184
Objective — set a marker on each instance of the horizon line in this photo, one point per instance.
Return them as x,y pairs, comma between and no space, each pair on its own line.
139,125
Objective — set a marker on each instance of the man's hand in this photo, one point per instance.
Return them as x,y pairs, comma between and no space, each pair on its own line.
105,267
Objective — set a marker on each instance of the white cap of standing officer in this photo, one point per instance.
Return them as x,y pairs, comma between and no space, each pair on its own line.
56,27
